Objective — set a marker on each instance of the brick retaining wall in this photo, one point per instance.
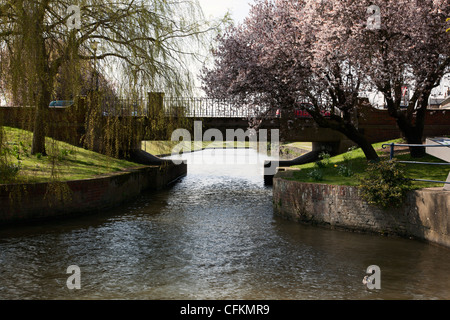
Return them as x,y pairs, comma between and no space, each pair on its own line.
378,126
29,202
425,215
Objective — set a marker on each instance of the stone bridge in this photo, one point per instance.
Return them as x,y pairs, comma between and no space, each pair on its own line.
297,125
70,124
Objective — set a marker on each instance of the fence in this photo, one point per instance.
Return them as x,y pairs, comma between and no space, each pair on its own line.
392,152
210,108
192,107
124,107
186,107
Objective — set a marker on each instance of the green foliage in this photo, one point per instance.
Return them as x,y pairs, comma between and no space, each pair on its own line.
8,172
345,169
385,184
358,162
325,160
64,153
18,150
316,174
143,47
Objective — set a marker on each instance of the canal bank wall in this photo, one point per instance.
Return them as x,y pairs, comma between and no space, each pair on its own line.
425,214
23,203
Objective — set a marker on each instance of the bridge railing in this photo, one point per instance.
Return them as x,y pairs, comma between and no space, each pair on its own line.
124,107
176,106
209,108
191,107
392,153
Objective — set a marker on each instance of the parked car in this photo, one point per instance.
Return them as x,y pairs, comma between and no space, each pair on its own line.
300,113
60,104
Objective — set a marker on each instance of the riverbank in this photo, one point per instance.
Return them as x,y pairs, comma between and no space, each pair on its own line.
28,202
69,180
348,168
161,149
425,215
38,201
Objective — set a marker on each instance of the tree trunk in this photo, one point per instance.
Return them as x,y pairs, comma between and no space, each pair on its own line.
347,128
416,152
368,150
411,128
41,121
414,133
44,82
353,134
38,145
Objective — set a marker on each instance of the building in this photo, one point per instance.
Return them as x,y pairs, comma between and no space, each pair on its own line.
435,103
445,104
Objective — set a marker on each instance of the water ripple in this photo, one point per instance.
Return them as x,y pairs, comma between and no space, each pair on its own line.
211,236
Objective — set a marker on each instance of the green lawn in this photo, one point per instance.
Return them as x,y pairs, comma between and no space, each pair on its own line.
67,162
356,161
64,161
300,145
166,147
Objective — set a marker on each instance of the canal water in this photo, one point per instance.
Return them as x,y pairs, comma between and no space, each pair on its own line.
212,235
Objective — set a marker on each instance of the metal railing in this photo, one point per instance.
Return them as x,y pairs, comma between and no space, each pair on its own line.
124,107
392,152
185,107
192,107
209,108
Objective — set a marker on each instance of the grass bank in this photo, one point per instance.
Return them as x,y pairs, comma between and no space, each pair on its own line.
300,145
346,169
64,162
159,148
165,147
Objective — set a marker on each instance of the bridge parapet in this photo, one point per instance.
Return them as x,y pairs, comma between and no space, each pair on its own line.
375,124
209,108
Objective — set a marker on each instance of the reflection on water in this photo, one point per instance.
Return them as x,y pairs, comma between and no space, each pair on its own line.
212,236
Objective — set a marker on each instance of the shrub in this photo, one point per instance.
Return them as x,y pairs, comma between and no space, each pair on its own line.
8,172
385,184
325,160
63,154
345,169
316,174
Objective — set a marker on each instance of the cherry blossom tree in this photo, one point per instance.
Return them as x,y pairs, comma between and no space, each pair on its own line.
331,53
409,49
275,59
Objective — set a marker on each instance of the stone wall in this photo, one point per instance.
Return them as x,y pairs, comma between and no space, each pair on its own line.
425,214
30,202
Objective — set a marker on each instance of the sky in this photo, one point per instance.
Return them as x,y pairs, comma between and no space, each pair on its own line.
218,8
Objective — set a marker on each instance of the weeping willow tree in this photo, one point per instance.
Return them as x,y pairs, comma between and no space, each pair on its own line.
142,46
